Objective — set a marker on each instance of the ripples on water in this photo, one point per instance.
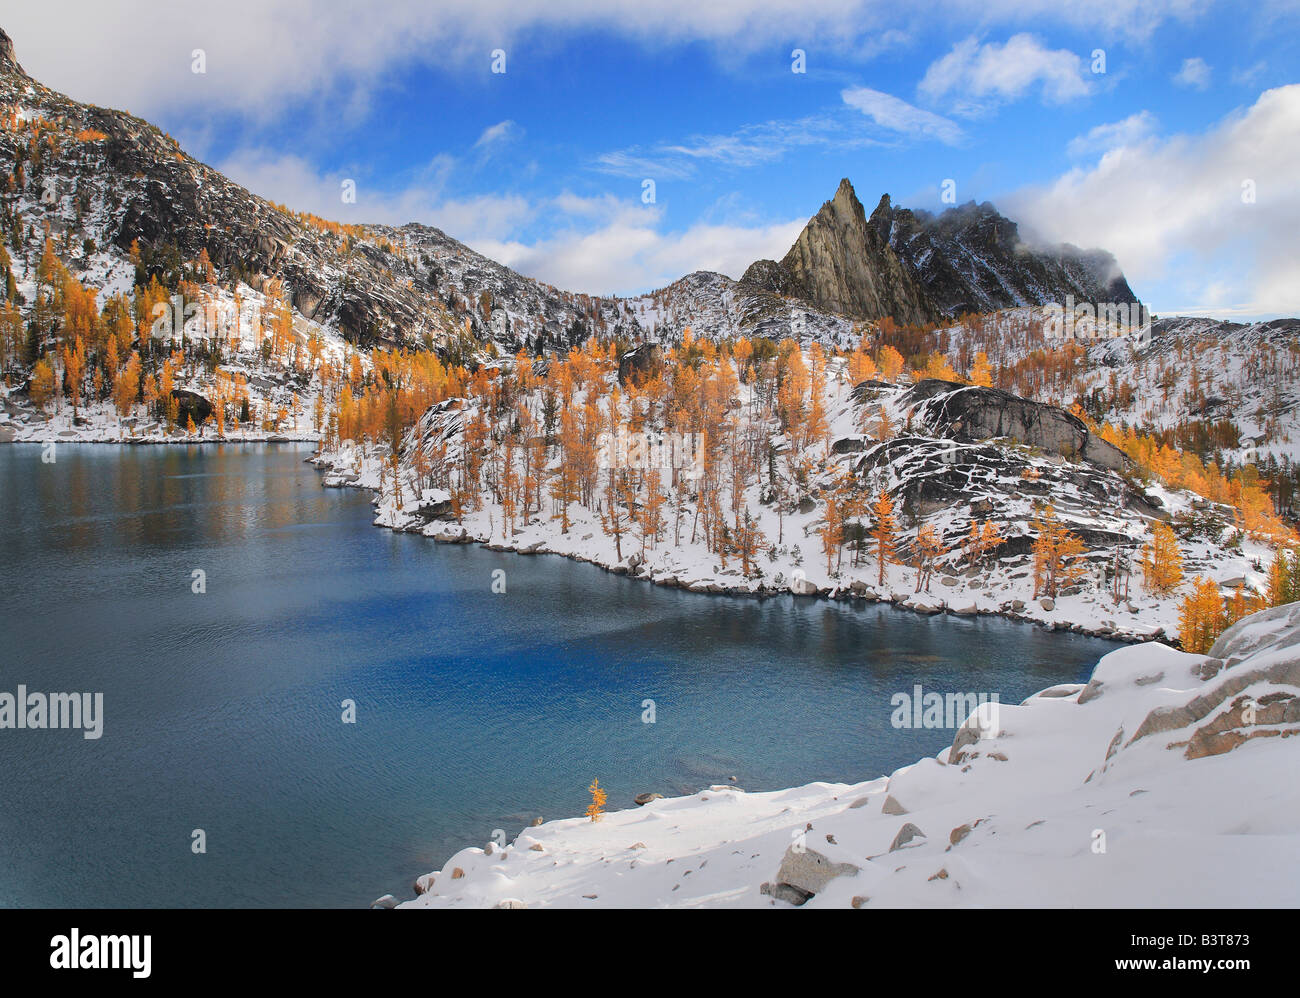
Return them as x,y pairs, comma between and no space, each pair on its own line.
475,711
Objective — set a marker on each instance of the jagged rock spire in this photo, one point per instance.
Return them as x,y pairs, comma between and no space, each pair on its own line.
919,268
8,63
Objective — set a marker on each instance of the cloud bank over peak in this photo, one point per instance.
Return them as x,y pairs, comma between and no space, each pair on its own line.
1226,200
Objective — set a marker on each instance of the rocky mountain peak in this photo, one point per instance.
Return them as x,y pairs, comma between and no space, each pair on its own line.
7,61
919,268
844,263
846,198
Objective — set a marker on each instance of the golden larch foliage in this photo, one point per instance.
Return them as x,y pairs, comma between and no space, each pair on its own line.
1162,561
597,806
1202,616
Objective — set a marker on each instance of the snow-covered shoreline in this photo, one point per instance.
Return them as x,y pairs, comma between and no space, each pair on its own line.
1163,782
1079,615
167,440
1063,613
1074,614
961,601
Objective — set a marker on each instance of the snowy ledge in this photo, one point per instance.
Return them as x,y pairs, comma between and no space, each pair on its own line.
1166,781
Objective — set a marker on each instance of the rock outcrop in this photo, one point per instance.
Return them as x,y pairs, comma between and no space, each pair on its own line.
8,63
805,873
640,363
191,406
1242,701
972,413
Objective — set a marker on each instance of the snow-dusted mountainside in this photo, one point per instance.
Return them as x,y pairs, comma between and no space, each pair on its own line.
714,306
1225,391
106,177
1199,369
103,181
971,258
960,454
1166,781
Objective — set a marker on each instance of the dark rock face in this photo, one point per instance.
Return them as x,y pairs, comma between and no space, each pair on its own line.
640,363
191,405
7,60
971,259
971,413
870,391
771,276
920,268
437,510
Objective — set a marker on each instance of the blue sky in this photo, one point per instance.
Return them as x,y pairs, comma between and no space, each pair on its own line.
543,166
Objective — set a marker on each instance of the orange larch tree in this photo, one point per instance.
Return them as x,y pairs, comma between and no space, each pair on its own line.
883,533
1162,561
1057,554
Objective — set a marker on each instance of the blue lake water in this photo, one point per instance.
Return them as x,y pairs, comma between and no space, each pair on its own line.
475,711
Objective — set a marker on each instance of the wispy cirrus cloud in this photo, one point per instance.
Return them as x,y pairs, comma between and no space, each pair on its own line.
880,119
1248,76
897,115
748,146
497,135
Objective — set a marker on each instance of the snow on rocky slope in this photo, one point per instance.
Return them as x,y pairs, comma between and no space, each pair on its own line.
1178,371
1209,369
1166,781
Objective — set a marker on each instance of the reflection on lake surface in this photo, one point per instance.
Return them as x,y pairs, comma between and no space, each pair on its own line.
475,711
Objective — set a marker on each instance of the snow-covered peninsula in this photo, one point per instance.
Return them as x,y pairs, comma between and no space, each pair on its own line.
946,475
1166,781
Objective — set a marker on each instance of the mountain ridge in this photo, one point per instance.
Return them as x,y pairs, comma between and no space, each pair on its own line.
415,285
919,268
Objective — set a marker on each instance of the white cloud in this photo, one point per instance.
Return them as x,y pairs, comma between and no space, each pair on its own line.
631,253
972,71
1104,138
292,181
600,245
1171,210
897,115
749,146
263,57
1194,73
497,135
